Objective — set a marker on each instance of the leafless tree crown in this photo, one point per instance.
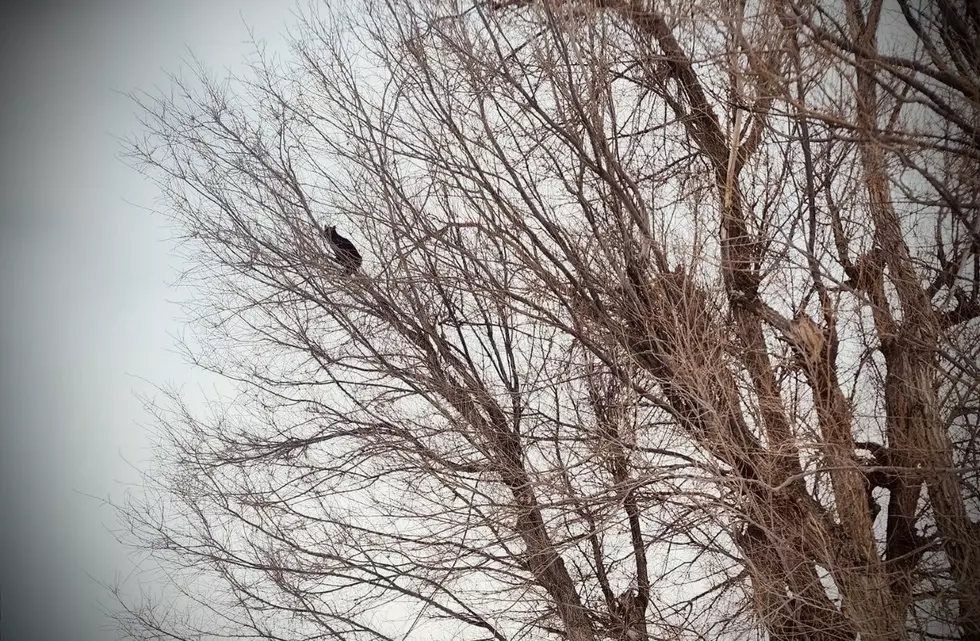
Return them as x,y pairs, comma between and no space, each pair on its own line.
666,326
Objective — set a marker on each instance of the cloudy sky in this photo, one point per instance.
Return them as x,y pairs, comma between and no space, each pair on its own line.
87,307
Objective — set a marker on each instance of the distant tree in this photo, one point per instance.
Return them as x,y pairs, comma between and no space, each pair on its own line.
666,326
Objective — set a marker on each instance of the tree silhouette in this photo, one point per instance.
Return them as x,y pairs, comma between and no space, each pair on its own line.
674,301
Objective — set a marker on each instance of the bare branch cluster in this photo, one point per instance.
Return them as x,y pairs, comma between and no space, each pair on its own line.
662,325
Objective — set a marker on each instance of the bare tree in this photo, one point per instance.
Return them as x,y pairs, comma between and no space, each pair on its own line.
665,326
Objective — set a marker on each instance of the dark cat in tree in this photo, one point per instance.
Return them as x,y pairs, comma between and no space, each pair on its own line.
347,255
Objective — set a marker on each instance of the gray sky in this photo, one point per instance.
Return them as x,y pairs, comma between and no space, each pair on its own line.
86,306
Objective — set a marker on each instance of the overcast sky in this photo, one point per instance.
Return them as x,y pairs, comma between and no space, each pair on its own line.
86,304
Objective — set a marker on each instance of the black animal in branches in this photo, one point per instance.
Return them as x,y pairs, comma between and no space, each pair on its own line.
347,255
